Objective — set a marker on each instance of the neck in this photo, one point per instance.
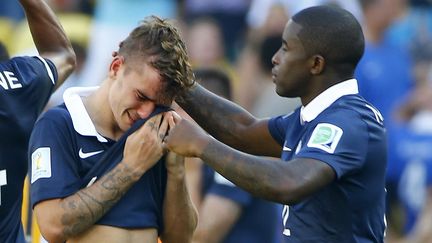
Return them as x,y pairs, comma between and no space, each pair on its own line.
320,85
98,108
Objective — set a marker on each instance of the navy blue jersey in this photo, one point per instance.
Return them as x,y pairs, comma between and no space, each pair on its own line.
26,84
342,130
259,221
65,147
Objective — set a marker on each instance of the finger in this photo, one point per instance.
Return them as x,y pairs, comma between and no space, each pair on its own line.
176,116
154,122
159,118
171,122
163,128
165,145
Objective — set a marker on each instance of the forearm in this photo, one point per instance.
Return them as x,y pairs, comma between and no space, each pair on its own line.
285,182
245,170
50,38
48,34
223,119
81,210
180,216
217,217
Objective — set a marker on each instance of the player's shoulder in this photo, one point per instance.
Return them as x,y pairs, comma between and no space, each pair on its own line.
352,105
353,111
58,115
17,62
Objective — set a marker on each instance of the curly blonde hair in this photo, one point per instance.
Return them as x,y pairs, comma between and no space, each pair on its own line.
159,42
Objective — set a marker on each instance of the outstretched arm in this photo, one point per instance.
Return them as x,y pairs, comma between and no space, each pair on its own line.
271,179
228,122
50,38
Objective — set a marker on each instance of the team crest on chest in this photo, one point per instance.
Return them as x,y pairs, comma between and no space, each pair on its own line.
325,137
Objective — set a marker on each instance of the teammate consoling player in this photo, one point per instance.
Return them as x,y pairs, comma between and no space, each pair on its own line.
330,175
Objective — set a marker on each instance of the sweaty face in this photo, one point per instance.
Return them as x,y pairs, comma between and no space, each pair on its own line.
134,94
290,64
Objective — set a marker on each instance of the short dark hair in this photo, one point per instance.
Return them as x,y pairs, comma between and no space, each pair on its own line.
158,41
4,55
214,80
333,33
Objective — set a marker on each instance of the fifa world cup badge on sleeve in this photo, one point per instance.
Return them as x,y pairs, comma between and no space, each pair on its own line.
325,137
3,181
41,163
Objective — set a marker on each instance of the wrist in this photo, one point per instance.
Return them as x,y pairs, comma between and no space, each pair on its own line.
203,144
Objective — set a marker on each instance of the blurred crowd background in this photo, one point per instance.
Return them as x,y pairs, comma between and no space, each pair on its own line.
239,37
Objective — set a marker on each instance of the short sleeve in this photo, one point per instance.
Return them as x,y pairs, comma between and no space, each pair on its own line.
340,141
226,189
29,80
53,170
278,126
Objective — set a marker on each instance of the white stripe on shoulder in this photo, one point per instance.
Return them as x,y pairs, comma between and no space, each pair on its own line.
50,74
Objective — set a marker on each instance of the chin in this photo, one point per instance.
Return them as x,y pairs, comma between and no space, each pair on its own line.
286,94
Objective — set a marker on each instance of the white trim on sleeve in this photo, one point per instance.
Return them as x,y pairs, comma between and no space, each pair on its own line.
50,74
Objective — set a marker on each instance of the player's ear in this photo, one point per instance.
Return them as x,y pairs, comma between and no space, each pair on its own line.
115,65
317,64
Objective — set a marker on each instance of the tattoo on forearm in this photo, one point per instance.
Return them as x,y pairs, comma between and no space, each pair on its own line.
90,204
238,168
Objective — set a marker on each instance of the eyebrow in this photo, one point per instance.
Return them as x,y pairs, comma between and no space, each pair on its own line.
141,94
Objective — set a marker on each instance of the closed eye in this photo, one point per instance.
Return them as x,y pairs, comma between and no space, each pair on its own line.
141,96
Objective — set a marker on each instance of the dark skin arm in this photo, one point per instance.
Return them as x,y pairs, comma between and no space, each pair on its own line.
228,122
286,182
50,38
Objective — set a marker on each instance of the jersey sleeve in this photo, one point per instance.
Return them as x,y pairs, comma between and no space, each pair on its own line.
53,170
31,78
340,140
35,67
226,189
278,125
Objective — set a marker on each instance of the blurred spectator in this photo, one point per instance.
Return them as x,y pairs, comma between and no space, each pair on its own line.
260,10
256,91
229,15
206,46
11,10
413,26
412,140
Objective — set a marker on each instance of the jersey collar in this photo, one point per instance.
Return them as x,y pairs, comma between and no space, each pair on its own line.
80,118
326,98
